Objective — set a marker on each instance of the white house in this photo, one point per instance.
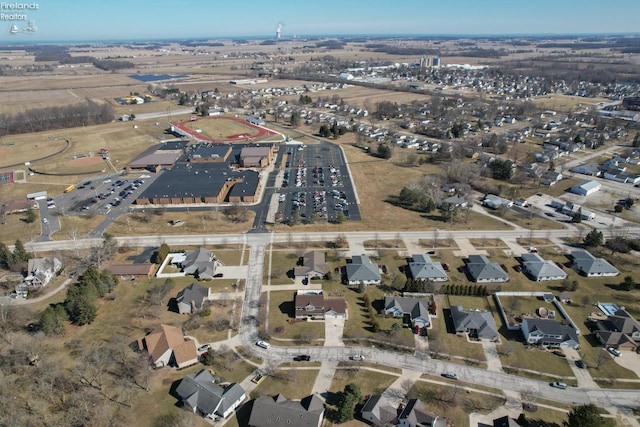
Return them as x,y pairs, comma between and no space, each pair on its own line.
549,333
41,271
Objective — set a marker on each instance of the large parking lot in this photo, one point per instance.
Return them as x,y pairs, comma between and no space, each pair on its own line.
315,182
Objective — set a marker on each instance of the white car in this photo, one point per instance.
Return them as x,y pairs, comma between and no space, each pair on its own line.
614,352
263,344
357,357
45,220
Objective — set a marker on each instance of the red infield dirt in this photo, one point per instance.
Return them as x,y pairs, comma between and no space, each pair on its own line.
86,161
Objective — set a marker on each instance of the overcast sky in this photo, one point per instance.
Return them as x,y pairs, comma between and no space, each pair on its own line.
79,20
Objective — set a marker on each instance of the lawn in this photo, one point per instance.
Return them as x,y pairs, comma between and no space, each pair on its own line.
453,403
293,383
369,381
281,328
442,338
14,227
529,220
76,226
278,267
194,223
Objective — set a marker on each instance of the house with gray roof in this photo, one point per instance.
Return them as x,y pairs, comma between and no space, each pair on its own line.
549,333
495,202
539,269
475,323
314,265
620,331
200,393
482,270
200,263
272,411
379,411
591,168
416,309
191,299
422,267
590,266
457,201
362,270
415,414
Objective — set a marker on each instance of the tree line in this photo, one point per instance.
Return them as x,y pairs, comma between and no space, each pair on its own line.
87,113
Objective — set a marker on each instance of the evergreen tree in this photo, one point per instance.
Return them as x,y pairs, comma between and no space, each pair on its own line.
384,152
19,252
594,238
587,415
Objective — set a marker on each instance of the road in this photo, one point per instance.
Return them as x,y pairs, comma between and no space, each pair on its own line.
248,332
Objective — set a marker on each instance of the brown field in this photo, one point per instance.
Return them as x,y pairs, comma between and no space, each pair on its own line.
85,161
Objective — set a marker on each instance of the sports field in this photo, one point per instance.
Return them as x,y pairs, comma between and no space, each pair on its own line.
224,129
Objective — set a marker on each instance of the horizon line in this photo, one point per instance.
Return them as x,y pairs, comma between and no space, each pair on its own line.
18,40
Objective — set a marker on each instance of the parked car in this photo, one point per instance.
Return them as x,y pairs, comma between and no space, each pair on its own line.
263,344
204,347
45,220
450,375
302,358
614,352
558,384
356,357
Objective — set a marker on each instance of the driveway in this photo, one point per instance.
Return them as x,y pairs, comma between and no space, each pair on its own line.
582,375
493,358
630,361
333,329
466,249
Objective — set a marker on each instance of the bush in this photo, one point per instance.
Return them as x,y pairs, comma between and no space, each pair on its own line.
205,313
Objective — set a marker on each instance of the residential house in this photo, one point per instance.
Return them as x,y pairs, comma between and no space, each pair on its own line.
192,298
591,168
482,270
362,271
586,188
551,178
379,411
495,202
539,269
620,331
313,305
591,266
200,393
273,411
167,346
132,271
313,266
415,414
414,311
457,201
198,262
475,323
422,268
549,333
40,271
